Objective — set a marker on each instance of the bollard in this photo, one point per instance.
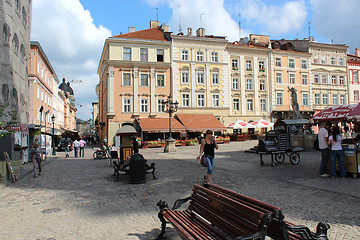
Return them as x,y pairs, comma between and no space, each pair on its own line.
137,172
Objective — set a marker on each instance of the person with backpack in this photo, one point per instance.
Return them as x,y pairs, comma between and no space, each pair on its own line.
337,152
323,137
36,158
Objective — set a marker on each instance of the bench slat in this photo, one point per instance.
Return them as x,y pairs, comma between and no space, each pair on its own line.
180,227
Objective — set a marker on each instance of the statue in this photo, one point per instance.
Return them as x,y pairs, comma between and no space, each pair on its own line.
294,103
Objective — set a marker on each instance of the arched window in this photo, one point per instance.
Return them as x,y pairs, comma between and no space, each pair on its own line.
22,51
6,32
24,15
15,42
17,3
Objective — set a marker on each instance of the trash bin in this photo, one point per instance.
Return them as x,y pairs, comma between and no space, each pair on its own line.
137,172
114,154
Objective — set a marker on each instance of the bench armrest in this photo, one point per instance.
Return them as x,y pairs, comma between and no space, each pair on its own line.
262,229
306,234
179,202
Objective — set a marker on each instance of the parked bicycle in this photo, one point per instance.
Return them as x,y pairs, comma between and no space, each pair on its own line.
101,154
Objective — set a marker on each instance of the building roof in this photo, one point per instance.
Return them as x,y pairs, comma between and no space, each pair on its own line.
200,122
160,125
148,34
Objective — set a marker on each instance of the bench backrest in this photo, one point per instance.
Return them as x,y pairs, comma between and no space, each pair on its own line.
276,228
232,217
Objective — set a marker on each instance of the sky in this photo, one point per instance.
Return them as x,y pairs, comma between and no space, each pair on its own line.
72,32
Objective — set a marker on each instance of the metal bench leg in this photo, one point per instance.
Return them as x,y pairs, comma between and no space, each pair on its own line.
163,205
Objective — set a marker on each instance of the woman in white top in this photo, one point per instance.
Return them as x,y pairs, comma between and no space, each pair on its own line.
336,152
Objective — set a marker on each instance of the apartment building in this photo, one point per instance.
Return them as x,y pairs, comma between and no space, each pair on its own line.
200,73
249,79
134,74
353,64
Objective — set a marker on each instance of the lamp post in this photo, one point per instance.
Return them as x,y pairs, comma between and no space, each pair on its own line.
53,134
170,107
45,114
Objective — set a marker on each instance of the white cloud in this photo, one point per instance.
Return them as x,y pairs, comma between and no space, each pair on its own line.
216,19
338,20
274,19
73,44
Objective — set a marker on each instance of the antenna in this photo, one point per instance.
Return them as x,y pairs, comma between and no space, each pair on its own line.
239,26
309,29
157,14
332,41
201,19
180,30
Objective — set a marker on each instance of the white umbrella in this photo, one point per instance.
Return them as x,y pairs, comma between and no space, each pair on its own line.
238,124
261,123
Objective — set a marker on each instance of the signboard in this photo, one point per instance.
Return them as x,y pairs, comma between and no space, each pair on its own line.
13,177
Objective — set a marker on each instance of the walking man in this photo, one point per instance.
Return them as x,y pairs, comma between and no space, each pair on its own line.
76,146
82,146
323,137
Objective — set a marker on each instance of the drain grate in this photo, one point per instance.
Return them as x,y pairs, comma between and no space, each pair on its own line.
51,210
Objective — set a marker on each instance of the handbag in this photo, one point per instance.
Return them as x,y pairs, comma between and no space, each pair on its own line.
203,161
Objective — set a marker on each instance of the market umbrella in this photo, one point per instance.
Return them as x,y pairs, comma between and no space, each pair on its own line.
262,123
338,113
238,124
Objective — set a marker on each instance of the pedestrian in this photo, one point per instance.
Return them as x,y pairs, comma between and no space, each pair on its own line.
36,158
135,144
105,141
76,146
207,147
335,141
323,137
82,147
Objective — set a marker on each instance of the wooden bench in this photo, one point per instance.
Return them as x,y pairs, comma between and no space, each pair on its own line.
278,228
213,215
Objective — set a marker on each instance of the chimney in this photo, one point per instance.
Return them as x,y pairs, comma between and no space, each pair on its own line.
189,31
131,29
200,32
165,28
357,52
154,24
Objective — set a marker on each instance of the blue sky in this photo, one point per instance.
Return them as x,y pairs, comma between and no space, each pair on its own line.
72,32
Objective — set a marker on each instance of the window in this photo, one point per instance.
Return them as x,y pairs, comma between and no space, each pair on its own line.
262,84
261,66
15,42
126,79
24,15
333,79
200,77
335,99
333,61
305,99
236,104
317,99
235,64
144,106
291,63
127,54
186,100
235,84
342,99
248,65
126,105
214,57
278,62
215,77
355,76
250,104
249,84
143,54
185,77
17,3
279,99
324,79
278,77
316,78
263,105
38,93
216,100
199,56
201,100
316,59
160,55
323,60
6,32
304,79
325,99
161,106
356,96
341,80
292,78
160,80
341,61
22,51
144,80
303,64
184,55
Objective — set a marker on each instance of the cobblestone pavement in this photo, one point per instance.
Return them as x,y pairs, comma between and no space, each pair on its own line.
78,198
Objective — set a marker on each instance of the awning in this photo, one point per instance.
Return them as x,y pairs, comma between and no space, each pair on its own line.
126,130
200,122
160,125
338,113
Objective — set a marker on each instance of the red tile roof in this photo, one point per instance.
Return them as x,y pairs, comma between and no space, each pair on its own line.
148,34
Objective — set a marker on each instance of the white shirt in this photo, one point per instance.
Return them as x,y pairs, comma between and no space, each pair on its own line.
323,133
336,145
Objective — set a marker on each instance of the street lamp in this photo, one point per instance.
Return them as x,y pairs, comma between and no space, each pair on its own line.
45,114
53,134
170,107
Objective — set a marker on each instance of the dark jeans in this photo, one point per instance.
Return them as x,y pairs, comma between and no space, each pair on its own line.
82,152
339,154
76,151
324,160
